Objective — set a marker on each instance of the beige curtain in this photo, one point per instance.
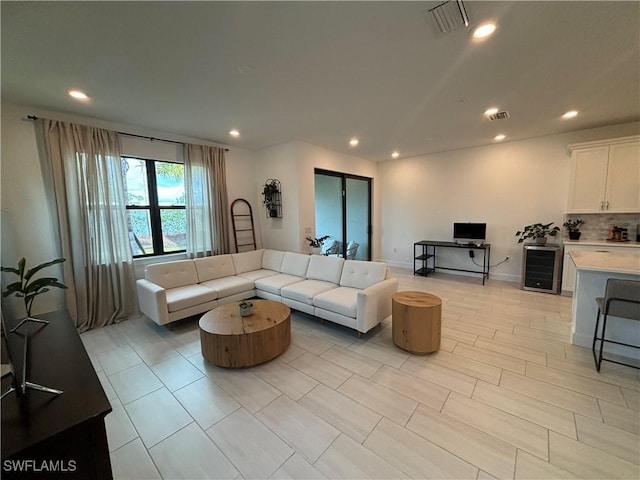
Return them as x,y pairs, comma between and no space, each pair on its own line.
207,204
85,168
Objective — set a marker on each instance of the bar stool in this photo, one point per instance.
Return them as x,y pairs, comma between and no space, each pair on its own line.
621,299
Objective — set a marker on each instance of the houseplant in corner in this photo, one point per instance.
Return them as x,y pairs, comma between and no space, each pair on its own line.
538,232
27,288
316,244
573,227
271,192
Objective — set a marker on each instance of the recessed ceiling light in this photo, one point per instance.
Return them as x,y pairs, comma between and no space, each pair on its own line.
78,95
491,111
570,114
234,133
354,142
395,155
499,137
484,30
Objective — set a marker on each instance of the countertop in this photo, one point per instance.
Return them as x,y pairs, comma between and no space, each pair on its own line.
607,261
601,243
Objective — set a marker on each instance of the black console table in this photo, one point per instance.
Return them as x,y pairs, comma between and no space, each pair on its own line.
45,435
425,257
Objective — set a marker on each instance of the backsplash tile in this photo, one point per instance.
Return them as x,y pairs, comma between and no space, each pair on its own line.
597,225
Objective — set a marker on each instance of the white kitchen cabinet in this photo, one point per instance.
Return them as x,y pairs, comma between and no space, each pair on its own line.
569,269
605,176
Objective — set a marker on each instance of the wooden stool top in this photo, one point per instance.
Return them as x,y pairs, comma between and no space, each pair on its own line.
416,299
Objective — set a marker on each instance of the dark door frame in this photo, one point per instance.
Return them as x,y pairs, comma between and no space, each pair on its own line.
344,177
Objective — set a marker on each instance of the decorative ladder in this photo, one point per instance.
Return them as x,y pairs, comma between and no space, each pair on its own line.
242,220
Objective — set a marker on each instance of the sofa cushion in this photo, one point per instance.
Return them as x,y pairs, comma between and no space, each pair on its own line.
295,264
274,283
305,291
172,274
229,285
187,296
360,274
217,266
343,300
256,274
272,260
247,261
328,269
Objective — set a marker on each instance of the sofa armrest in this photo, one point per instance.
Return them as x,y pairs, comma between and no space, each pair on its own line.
152,299
374,304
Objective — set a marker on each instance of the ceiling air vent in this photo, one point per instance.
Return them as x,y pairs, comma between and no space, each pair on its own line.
498,116
449,15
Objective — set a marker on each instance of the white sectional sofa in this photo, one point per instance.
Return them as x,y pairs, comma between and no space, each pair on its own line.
352,293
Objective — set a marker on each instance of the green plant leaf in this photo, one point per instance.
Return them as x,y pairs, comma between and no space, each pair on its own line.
41,283
21,264
12,288
11,270
37,268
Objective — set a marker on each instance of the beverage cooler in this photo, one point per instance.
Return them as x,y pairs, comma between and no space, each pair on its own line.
542,268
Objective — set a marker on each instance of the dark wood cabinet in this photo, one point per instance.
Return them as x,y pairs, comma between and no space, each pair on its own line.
45,435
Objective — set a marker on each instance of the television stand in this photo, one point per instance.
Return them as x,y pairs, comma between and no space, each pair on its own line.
425,257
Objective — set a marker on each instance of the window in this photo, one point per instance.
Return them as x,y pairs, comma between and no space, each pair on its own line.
156,215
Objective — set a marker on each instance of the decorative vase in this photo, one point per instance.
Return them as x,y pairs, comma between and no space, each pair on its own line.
246,311
541,240
574,235
316,250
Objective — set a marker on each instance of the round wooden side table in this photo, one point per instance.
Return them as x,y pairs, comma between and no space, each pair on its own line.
416,321
229,340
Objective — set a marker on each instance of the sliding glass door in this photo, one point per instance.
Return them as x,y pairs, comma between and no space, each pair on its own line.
343,211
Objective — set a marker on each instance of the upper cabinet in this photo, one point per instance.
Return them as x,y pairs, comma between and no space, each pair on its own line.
605,176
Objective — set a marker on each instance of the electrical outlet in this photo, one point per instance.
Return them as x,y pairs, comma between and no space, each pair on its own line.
471,254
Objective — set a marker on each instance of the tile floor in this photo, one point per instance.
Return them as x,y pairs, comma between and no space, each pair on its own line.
507,396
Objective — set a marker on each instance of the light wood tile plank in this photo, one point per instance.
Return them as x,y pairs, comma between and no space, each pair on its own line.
515,430
414,455
632,397
348,459
578,383
206,402
360,364
287,379
297,468
499,360
546,392
385,353
247,389
322,370
465,365
443,376
512,350
628,378
478,448
310,343
458,335
529,467
413,387
586,461
528,408
550,348
379,398
620,417
618,442
345,414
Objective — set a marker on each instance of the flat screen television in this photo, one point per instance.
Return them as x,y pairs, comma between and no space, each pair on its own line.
469,232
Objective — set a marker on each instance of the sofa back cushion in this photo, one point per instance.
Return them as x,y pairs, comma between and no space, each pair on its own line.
217,266
328,269
172,274
295,264
272,260
247,261
360,274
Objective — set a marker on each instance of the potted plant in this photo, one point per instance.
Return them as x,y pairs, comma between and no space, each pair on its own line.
316,243
246,308
29,288
270,192
538,232
573,227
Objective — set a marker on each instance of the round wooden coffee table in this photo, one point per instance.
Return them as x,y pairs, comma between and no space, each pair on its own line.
416,319
229,340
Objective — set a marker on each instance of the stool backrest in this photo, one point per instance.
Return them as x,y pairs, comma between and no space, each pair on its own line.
622,298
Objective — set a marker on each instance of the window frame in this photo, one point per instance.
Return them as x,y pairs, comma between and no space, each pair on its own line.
154,208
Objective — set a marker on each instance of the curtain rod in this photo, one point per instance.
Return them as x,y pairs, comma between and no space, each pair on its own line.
34,117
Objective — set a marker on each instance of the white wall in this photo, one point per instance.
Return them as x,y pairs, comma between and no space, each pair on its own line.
506,185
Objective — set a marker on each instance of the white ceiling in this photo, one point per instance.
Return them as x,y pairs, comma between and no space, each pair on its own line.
322,72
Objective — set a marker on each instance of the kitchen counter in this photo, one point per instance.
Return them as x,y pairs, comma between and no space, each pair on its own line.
593,268
602,243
